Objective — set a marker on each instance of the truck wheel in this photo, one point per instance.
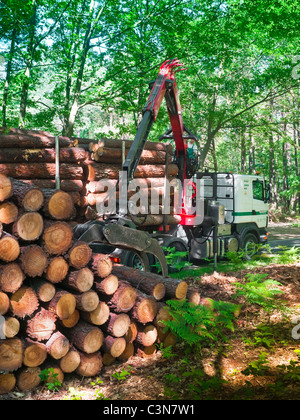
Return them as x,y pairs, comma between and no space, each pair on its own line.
130,259
249,245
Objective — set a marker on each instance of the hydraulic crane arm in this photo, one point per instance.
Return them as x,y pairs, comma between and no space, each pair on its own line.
164,87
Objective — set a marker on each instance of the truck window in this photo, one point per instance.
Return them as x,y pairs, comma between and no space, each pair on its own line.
258,190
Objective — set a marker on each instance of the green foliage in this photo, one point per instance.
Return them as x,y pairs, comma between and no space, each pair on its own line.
198,325
259,290
123,375
50,378
259,367
176,260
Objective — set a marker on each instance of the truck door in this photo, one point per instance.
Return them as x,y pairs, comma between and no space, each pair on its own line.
260,206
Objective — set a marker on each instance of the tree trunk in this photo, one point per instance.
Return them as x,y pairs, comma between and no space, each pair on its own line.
29,226
8,212
41,170
33,260
108,286
11,354
90,364
57,345
58,205
79,280
101,265
70,362
28,378
144,309
123,299
117,325
86,337
44,290
79,255
114,346
27,197
97,317
87,301
147,335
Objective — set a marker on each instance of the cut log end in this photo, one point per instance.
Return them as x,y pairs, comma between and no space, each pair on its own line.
29,226
11,354
60,206
24,302
58,238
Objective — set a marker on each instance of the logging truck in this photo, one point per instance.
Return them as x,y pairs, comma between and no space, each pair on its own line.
204,214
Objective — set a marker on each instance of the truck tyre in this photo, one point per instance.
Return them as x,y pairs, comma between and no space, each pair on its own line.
249,245
131,259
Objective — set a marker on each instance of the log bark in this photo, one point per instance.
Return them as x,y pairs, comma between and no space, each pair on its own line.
90,364
127,353
41,170
72,320
9,248
24,302
11,277
33,260
34,353
123,299
97,187
114,346
144,309
162,315
149,145
131,334
29,226
79,280
97,317
58,205
62,305
57,238
147,352
28,378
5,188
156,220
175,289
27,197
71,361
79,255
11,354
4,303
67,185
117,325
142,281
58,345
41,326
86,337
7,383
101,265
8,212
107,286
30,139
114,155
57,270
87,301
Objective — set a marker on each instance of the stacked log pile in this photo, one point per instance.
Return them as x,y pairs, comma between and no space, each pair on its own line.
30,156
61,306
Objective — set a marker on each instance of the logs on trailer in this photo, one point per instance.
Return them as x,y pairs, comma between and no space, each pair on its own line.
61,303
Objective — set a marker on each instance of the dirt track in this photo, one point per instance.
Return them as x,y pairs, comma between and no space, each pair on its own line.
283,231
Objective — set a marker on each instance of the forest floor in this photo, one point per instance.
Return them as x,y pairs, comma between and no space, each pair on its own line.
260,342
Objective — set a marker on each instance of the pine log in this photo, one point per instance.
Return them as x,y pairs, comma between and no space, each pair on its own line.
58,345
147,352
41,326
97,317
11,354
5,187
29,226
9,248
44,290
170,340
67,185
95,171
4,303
86,337
58,205
79,280
31,139
57,238
55,372
28,378
142,281
156,220
127,353
193,296
41,170
147,335
108,359
149,145
90,364
175,289
108,286
87,301
57,270
8,212
101,265
97,187
62,305
45,155
35,353
11,277
114,346
27,197
7,383
72,320
33,260
79,255
123,299
144,309
71,361
24,302
131,334
114,155
163,315
10,327
117,325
